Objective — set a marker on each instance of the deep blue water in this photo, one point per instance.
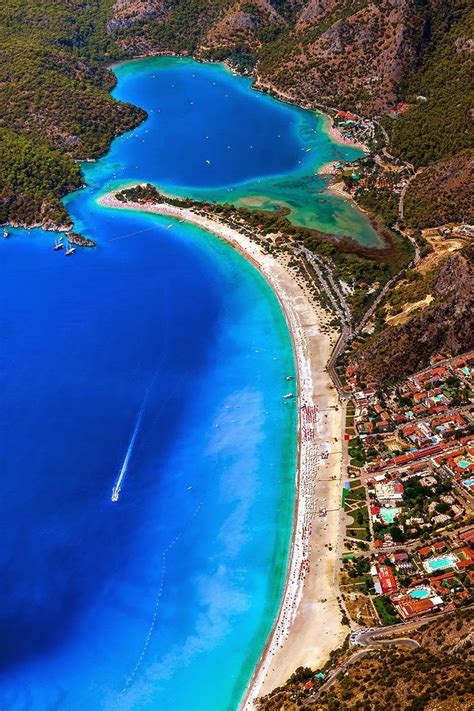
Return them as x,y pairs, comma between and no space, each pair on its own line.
163,599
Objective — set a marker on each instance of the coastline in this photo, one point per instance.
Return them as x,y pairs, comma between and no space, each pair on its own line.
309,598
338,137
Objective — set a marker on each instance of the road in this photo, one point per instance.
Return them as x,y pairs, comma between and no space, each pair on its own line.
369,646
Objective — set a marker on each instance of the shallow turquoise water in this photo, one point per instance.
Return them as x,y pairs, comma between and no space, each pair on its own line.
161,353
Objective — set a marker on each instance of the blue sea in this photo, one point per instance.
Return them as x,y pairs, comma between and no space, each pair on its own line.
158,357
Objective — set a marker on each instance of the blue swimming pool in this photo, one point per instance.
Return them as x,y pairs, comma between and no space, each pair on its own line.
441,563
420,593
389,514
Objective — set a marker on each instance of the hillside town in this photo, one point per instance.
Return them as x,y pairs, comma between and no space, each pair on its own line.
409,545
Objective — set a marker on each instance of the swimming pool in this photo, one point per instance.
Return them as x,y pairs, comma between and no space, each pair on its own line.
389,514
445,561
468,483
420,593
463,463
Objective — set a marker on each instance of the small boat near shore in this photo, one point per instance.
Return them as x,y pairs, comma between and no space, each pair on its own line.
59,244
70,250
6,233
288,396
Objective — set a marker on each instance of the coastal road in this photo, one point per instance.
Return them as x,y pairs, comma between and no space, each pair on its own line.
371,637
366,639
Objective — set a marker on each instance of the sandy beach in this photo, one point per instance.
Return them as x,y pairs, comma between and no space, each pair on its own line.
308,626
339,137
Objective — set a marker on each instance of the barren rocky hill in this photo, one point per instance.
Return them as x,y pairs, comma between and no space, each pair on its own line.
445,326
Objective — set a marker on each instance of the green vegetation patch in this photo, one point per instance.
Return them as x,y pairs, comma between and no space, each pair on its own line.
56,105
385,610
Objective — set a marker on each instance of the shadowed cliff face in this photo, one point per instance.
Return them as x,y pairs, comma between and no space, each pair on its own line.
447,326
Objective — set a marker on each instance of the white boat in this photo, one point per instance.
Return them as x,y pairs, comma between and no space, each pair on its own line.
6,233
290,377
58,244
70,250
288,396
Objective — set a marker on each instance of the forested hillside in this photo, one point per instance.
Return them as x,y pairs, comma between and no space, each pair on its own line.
54,94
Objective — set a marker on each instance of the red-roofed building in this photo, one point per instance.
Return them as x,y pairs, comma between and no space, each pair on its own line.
347,116
439,546
386,578
467,536
401,108
418,397
438,580
424,552
409,607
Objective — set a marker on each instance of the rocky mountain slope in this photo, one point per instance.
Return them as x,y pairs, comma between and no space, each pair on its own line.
347,53
435,677
445,326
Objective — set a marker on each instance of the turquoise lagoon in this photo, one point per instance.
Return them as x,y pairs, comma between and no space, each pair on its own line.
160,354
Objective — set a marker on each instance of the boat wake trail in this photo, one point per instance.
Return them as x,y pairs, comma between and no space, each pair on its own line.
118,484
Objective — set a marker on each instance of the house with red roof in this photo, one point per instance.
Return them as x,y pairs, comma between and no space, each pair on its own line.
424,552
386,579
408,607
347,116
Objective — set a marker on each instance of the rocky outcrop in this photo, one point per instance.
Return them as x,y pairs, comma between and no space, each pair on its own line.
446,326
350,55
127,12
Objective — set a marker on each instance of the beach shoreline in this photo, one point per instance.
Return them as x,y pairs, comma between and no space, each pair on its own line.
308,597
338,137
